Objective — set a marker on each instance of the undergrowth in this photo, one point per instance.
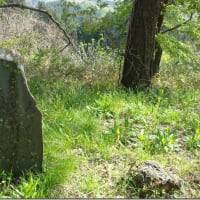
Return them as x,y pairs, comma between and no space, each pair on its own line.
93,130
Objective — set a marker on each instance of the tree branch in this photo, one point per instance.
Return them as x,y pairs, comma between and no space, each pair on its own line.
21,6
179,25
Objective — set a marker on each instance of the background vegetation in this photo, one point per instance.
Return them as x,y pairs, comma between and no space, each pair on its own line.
93,130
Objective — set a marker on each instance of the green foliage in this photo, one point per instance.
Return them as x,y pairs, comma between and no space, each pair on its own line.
92,129
116,23
113,25
161,141
68,16
27,188
193,140
12,1
5,182
164,141
182,43
102,107
181,52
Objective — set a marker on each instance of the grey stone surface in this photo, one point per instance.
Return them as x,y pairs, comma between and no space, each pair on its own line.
152,174
21,146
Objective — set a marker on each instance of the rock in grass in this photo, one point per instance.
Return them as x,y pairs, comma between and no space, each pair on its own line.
151,176
21,146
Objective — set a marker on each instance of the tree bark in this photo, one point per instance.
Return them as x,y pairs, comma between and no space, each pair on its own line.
155,64
140,55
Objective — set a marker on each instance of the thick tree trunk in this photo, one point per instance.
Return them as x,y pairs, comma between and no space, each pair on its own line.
140,55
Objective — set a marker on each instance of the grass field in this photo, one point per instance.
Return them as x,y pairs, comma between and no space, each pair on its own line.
94,132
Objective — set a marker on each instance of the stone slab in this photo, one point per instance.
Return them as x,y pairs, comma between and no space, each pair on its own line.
21,145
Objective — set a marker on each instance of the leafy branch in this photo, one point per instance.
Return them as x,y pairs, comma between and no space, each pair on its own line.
178,25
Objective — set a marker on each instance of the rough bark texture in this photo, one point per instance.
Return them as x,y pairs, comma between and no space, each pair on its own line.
140,48
158,50
21,146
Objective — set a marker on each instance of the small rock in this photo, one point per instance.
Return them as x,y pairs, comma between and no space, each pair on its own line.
152,175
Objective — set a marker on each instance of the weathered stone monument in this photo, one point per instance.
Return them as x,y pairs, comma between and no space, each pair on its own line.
21,146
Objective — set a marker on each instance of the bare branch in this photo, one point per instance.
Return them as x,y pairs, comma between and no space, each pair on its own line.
21,6
64,47
179,25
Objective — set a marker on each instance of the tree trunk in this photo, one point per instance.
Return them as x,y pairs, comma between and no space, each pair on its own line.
155,64
141,60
